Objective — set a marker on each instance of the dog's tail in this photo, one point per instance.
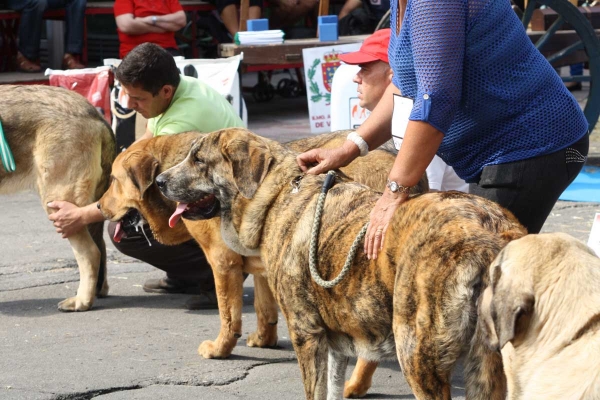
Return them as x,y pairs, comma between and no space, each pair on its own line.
96,229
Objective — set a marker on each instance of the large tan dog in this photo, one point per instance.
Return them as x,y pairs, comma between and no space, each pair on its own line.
64,149
132,187
417,300
542,310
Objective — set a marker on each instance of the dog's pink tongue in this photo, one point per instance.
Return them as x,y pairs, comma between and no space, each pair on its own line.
177,214
118,235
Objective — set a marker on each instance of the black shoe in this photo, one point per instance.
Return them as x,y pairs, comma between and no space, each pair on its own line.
206,300
170,285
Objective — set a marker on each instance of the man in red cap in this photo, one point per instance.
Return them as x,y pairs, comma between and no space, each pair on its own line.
373,78
375,73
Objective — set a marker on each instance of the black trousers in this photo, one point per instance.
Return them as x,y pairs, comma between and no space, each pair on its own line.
182,261
530,188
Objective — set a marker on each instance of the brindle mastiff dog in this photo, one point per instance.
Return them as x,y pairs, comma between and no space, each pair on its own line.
417,300
132,187
542,310
64,149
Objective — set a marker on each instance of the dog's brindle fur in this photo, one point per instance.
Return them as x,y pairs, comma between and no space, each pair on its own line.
132,186
64,149
418,297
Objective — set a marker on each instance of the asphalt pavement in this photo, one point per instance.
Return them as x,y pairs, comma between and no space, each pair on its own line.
136,345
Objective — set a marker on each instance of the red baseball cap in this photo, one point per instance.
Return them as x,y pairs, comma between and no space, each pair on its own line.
374,48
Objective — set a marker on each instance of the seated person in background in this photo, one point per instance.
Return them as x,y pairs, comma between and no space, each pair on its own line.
228,11
374,77
30,31
141,21
358,17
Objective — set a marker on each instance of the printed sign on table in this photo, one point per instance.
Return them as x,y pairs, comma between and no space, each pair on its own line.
320,63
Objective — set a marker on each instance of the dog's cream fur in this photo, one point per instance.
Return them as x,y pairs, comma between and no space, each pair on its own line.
542,310
63,149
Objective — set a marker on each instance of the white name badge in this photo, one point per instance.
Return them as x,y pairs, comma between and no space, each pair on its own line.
402,108
594,240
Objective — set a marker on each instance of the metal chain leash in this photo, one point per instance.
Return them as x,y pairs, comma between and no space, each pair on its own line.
314,240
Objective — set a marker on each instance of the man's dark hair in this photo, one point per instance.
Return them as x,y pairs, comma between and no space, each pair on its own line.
149,67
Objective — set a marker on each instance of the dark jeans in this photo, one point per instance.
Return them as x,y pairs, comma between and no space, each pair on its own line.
530,188
183,261
30,26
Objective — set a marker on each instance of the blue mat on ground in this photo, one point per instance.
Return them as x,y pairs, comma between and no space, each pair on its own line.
586,187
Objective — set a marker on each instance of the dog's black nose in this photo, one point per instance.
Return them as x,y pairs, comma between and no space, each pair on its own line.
161,181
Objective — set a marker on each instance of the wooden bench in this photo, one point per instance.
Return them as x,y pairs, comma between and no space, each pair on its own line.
9,26
281,55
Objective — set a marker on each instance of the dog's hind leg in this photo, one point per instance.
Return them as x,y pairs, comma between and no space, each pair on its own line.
266,313
361,379
336,374
88,258
74,176
418,357
484,373
97,233
310,345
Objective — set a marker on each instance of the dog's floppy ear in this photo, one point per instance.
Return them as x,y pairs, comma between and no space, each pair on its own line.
141,168
512,302
250,161
486,320
512,317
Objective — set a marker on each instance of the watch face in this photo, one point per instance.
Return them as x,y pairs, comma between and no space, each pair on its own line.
393,186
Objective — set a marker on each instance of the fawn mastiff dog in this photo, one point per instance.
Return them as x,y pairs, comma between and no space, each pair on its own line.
416,301
64,149
542,310
132,187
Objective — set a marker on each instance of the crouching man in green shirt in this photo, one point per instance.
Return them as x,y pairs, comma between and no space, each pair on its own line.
173,104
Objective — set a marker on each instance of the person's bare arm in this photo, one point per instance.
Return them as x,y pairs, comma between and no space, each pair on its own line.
376,130
130,25
348,7
169,22
69,219
421,141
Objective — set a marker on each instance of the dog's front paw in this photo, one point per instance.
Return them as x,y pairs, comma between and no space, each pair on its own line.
74,304
208,349
257,340
354,390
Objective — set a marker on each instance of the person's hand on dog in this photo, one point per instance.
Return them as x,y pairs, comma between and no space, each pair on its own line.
327,159
68,219
381,215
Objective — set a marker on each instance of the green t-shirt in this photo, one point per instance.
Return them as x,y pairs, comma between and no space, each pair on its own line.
195,107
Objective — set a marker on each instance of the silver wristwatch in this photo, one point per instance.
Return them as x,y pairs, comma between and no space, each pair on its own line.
395,187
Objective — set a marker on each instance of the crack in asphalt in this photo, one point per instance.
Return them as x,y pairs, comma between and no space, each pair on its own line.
88,395
93,393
